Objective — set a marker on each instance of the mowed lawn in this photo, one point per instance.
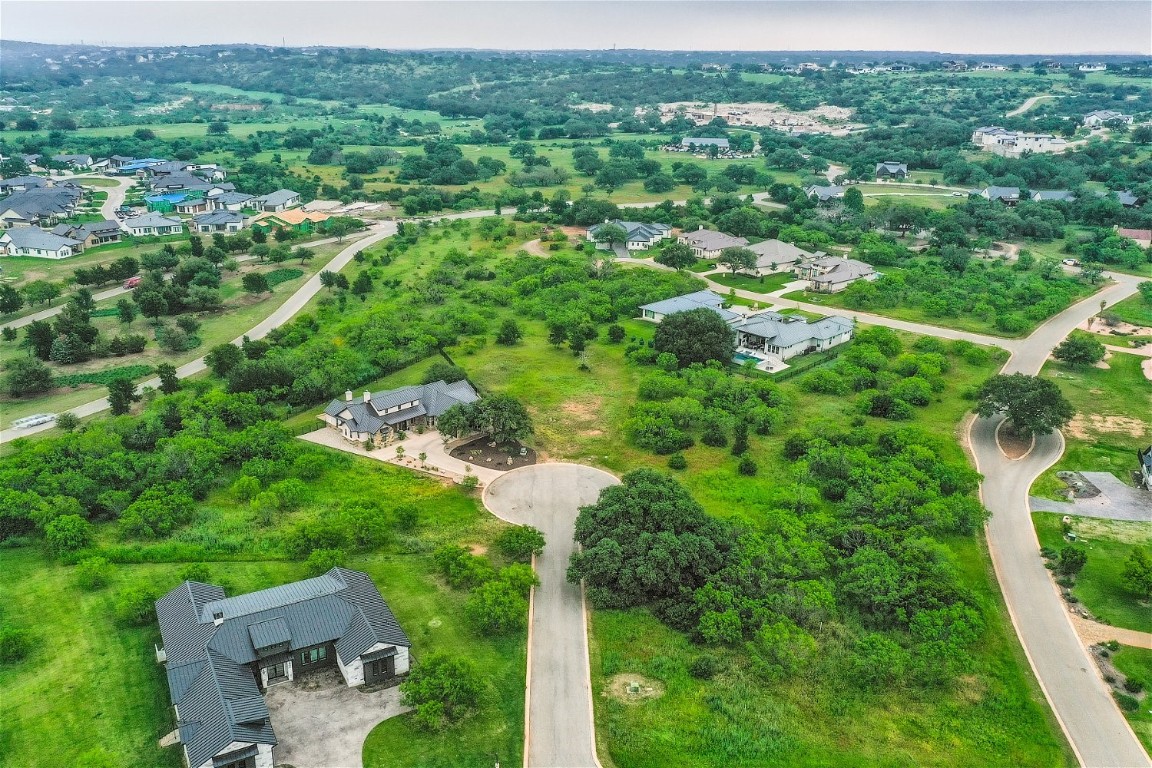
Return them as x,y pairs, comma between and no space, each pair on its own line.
1113,421
1108,544
1137,663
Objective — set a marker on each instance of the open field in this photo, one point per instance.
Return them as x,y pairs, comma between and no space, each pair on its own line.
1137,663
1134,309
765,284
1108,543
1112,422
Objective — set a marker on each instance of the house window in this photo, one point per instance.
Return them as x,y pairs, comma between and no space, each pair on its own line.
314,655
247,762
277,671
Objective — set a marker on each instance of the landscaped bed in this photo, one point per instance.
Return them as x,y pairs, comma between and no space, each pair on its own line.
481,452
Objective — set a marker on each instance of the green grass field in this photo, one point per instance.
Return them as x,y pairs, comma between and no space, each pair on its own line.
1137,662
1134,310
1113,421
765,284
1108,544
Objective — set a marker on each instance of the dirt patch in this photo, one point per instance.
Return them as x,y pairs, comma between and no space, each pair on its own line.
1013,445
633,689
1083,426
1096,325
1103,363
971,689
478,549
584,410
822,119
484,453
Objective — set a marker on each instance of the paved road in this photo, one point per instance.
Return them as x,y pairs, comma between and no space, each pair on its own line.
1028,104
559,729
1098,733
116,194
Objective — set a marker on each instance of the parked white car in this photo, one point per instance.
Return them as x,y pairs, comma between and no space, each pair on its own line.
34,420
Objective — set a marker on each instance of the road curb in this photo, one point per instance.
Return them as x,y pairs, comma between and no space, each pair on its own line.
528,670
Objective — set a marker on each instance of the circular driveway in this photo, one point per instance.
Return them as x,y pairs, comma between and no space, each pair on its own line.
559,729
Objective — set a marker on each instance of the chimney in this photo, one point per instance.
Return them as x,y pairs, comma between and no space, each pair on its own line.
367,396
218,618
347,395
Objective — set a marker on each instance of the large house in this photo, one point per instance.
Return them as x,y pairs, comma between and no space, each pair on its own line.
1011,143
1006,195
890,170
776,255
218,221
297,219
42,206
153,224
379,417
1102,116
658,310
824,194
220,653
640,237
92,233
786,336
1142,237
21,184
708,243
694,144
35,242
1054,196
274,202
228,201
833,274
75,162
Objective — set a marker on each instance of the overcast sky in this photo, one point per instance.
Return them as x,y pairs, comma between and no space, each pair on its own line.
955,26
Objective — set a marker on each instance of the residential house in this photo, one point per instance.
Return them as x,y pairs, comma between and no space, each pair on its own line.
1102,116
75,162
786,336
168,168
1142,237
192,205
218,221
228,201
658,310
1127,199
116,162
833,274
220,653
1092,67
708,243
42,206
37,243
1145,457
274,202
22,184
696,144
1054,196
299,220
90,234
889,170
138,167
777,256
379,417
1013,143
640,237
1006,195
151,224
824,194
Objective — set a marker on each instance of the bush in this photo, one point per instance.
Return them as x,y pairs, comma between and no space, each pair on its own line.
15,645
520,543
461,568
704,667
1133,685
442,690
496,608
1126,702
677,461
715,437
68,533
324,560
443,371
136,606
747,466
470,482
92,573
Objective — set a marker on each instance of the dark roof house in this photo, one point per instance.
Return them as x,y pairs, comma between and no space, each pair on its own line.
889,169
639,234
381,415
220,652
658,310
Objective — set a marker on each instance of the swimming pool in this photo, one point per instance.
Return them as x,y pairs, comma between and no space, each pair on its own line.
740,358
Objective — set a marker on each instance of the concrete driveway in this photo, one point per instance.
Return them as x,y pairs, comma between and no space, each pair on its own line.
1116,501
322,723
559,731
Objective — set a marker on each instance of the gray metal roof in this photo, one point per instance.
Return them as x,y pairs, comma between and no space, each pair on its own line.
825,193
1001,193
41,201
152,219
34,237
690,301
788,330
230,198
892,167
404,414
841,270
637,230
427,399
23,181
711,240
1062,195
207,664
279,197
218,217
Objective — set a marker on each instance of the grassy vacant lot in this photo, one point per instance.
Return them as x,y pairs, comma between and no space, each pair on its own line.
1112,422
1133,309
94,686
1098,587
765,284
1137,662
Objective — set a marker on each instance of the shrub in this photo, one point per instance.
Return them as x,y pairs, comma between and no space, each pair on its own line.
677,461
704,667
94,572
520,542
496,608
68,533
747,466
15,645
1126,702
615,333
461,568
715,437
1133,685
442,690
469,482
136,606
67,421
323,560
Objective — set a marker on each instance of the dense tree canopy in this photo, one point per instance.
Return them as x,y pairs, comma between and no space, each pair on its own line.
1033,405
695,336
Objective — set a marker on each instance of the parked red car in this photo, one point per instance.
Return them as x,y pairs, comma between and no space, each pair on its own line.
132,282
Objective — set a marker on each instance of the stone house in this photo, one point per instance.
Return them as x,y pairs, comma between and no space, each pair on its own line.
381,416
708,244
833,274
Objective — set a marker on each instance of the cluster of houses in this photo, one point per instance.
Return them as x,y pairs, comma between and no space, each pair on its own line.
1012,195
993,138
221,654
767,337
34,210
699,145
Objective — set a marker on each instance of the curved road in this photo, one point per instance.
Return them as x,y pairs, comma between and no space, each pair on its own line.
559,731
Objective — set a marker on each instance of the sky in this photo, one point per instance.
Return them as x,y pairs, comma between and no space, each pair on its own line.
952,26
